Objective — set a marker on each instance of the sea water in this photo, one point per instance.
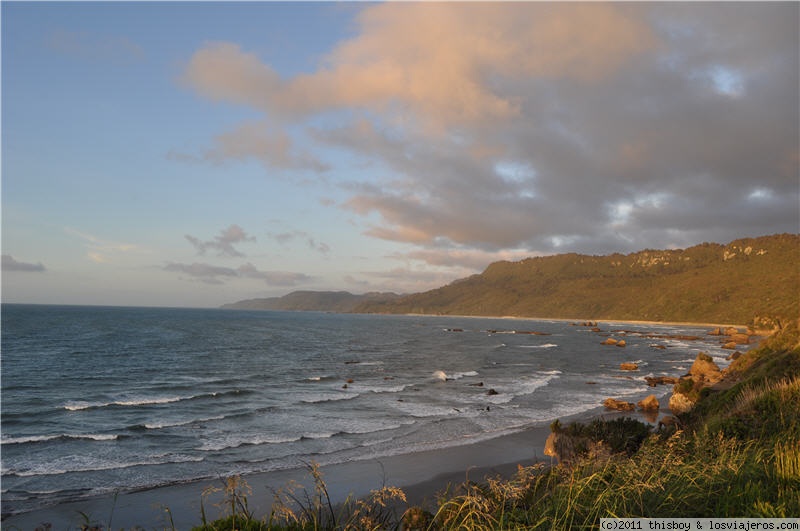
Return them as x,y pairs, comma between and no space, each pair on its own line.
106,399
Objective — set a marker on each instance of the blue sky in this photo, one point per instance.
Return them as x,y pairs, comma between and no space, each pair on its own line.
197,153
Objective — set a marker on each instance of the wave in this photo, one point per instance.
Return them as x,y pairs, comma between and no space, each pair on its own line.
441,376
79,405
62,436
236,442
59,466
334,396
166,424
546,345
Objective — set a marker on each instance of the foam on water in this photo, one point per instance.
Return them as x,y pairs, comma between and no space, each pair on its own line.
211,392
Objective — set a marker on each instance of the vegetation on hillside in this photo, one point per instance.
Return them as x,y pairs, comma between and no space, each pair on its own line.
736,454
748,281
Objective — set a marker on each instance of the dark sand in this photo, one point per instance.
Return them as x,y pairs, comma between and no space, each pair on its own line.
421,475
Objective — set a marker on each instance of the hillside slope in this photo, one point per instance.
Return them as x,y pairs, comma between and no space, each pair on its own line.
323,301
752,280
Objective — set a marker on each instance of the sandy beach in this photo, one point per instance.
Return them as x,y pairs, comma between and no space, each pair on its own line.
421,475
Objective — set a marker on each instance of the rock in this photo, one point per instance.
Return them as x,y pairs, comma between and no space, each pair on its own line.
705,369
649,403
660,347
609,341
680,403
627,366
550,445
492,392
731,345
653,381
715,332
734,356
731,330
740,339
621,343
618,405
567,448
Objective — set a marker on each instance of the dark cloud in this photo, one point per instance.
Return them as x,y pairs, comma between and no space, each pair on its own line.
223,243
211,274
9,263
284,238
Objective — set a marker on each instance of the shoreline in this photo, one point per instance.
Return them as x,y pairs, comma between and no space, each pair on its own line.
565,320
421,475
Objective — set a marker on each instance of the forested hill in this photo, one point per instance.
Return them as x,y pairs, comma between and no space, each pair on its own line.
743,282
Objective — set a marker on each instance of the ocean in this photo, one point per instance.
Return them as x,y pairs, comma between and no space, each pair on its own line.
97,400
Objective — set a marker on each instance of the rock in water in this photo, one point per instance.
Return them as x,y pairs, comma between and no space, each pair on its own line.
649,403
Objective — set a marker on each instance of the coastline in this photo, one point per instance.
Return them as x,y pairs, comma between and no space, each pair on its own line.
573,320
421,475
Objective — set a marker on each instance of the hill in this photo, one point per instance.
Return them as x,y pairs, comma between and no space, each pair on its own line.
324,301
748,281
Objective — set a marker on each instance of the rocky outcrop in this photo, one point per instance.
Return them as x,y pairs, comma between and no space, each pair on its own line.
628,366
705,370
618,405
567,448
680,403
650,403
653,381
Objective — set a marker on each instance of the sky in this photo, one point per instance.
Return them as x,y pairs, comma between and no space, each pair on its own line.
199,153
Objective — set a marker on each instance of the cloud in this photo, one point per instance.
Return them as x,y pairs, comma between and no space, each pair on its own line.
548,127
223,243
11,264
284,238
211,274
101,251
272,147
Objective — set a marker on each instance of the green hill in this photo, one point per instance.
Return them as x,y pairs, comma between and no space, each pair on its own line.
748,281
323,301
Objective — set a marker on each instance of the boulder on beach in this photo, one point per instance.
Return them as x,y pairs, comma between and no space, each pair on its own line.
628,366
618,405
649,403
439,376
621,343
609,341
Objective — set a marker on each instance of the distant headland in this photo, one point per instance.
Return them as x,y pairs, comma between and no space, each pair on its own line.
752,281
